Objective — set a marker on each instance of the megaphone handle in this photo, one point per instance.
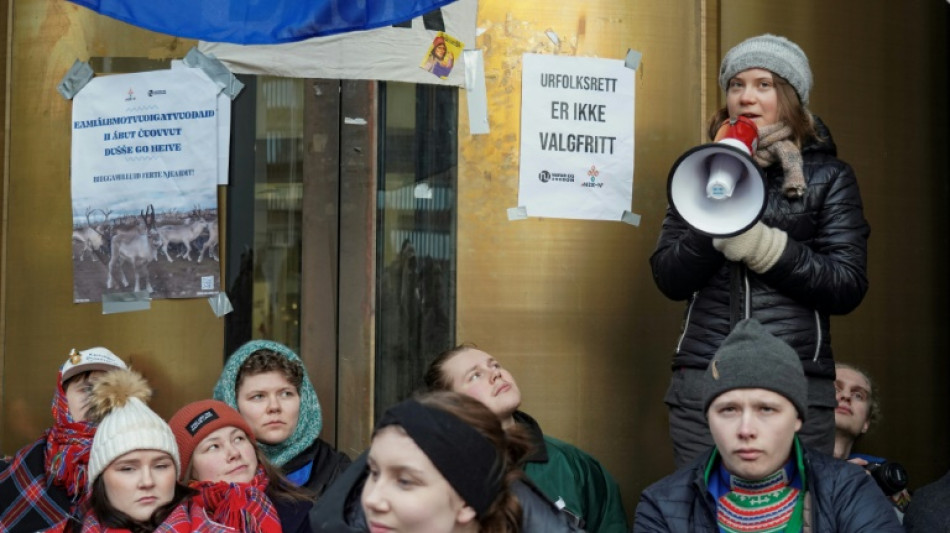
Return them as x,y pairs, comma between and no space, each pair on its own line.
721,132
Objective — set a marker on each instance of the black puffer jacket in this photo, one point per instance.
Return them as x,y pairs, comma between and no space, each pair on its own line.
822,272
840,498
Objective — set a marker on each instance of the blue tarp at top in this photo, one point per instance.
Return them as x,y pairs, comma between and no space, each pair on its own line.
260,21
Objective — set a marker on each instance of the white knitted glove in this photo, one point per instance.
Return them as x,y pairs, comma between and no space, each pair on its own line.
759,247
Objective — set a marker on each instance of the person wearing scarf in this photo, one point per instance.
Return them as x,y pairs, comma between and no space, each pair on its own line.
132,474
802,261
236,484
46,481
758,477
267,383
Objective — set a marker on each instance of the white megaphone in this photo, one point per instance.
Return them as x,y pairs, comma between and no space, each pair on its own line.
717,188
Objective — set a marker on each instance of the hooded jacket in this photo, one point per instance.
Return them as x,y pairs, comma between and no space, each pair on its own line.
821,272
839,498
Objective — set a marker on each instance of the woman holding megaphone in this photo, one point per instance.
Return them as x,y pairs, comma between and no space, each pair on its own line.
801,257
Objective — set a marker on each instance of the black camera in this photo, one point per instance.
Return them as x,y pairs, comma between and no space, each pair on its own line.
890,476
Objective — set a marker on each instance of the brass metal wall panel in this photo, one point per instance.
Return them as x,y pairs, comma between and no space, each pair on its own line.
178,343
569,306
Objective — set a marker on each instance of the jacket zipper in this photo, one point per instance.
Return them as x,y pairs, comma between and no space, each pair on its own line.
689,314
818,336
748,294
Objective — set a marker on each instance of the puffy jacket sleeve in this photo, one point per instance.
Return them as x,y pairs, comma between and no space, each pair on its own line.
830,272
858,505
649,516
683,260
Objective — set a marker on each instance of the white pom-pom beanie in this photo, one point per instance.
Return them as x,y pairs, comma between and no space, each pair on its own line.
128,428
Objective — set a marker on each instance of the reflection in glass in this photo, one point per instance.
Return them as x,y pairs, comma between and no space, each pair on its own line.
416,235
266,290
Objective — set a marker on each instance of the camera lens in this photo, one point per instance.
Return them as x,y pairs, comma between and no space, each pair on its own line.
891,477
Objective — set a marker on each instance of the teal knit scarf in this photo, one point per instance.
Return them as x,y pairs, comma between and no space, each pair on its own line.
310,420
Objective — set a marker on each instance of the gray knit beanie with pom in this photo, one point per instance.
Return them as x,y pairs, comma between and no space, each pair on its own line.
771,52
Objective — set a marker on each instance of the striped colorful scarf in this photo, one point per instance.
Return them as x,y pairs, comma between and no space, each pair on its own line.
761,506
242,506
67,446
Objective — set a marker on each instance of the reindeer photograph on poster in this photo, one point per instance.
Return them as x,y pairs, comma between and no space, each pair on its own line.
144,186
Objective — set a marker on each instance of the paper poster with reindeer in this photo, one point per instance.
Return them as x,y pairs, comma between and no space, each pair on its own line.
144,186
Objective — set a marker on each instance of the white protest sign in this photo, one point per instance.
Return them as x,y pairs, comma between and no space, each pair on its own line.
576,137
144,172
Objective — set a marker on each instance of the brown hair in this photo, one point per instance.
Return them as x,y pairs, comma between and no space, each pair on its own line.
504,514
278,486
109,516
435,379
874,404
267,360
790,111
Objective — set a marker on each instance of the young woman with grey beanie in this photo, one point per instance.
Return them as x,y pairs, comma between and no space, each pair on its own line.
804,260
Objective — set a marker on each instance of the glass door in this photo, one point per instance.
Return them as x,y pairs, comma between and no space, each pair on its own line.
340,238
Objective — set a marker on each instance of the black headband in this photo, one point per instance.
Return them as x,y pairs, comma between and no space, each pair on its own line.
465,458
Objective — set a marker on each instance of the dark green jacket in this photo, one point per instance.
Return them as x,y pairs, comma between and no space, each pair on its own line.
567,475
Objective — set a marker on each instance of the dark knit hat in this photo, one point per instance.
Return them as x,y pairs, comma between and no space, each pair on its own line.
773,53
195,421
464,457
753,358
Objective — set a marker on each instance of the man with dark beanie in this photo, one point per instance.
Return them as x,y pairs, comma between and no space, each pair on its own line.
758,476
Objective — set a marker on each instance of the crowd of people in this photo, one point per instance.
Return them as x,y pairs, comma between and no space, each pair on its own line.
762,419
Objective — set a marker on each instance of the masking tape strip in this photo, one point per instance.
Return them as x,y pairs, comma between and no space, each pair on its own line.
124,302
517,213
630,218
215,70
632,61
75,79
475,92
220,304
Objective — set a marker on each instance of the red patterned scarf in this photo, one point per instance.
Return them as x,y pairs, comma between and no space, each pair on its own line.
242,506
67,446
186,517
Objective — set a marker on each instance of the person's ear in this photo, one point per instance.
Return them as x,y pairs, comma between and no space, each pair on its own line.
465,515
865,427
798,424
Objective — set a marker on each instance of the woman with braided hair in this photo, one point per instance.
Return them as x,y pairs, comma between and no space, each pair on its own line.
803,261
